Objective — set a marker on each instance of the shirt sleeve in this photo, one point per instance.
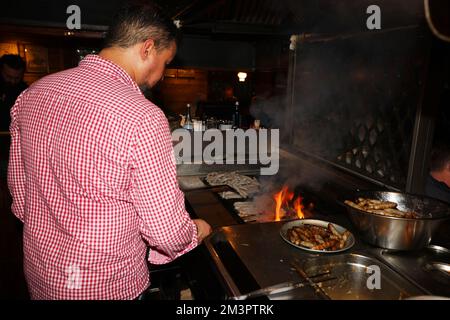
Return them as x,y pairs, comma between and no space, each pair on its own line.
16,171
163,220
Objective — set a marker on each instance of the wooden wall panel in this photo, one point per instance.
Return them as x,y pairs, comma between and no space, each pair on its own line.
175,92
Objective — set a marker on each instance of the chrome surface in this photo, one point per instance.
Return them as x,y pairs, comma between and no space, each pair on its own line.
399,233
317,286
426,267
353,282
285,287
438,266
268,258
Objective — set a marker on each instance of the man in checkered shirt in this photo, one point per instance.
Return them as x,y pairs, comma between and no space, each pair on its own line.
92,171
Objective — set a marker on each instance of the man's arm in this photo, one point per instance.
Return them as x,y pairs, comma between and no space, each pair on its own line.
164,221
16,171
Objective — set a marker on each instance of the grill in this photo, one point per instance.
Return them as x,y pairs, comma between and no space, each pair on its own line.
355,118
253,256
249,259
254,208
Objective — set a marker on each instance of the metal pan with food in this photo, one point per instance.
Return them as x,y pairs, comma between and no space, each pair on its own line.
317,236
395,220
381,207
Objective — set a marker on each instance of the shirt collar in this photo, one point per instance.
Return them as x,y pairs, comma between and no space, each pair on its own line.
110,68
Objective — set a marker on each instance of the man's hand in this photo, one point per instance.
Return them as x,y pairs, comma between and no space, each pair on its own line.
203,229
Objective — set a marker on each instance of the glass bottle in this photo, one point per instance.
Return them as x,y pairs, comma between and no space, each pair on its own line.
236,116
188,124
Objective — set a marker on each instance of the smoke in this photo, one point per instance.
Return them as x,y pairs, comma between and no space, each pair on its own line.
354,97
270,110
354,100
303,184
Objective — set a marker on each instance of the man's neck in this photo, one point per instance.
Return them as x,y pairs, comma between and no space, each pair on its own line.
441,176
121,57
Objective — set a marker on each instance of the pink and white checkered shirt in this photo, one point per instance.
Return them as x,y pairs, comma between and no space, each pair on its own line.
93,177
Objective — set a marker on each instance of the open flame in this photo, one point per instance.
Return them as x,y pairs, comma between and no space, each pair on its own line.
298,207
284,204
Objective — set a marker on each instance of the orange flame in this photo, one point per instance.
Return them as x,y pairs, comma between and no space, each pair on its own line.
299,207
284,198
279,196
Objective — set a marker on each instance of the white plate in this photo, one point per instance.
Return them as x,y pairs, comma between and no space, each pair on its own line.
284,229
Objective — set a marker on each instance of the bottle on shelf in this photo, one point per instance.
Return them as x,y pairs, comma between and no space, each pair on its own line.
188,124
236,116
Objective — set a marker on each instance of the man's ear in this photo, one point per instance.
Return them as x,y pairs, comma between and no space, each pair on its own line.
146,48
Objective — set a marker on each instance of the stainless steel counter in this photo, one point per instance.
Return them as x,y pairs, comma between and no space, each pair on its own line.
252,256
267,258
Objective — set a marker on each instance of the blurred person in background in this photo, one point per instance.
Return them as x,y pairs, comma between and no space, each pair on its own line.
12,69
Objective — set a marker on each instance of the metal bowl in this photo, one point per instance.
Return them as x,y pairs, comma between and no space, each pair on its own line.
399,233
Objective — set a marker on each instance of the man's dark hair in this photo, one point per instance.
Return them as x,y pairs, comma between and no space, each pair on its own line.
136,22
13,61
440,156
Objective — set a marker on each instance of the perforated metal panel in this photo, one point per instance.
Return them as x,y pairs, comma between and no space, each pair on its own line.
379,146
355,101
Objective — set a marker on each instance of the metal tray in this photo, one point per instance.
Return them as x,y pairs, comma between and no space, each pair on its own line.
248,257
353,272
320,223
428,267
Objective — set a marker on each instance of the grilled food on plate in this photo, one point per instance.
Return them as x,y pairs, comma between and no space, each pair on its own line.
318,238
